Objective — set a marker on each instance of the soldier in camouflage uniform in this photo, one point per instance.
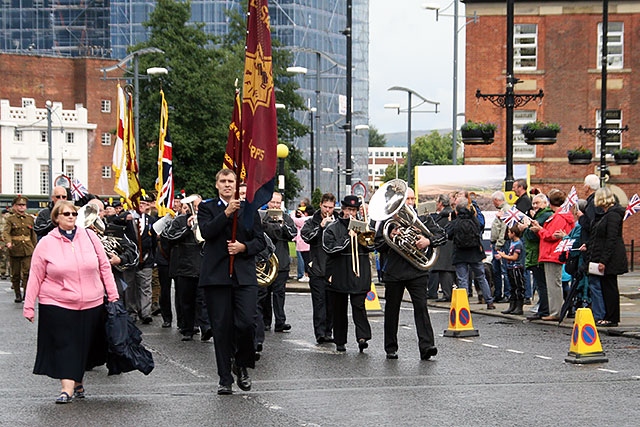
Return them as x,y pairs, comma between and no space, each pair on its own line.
4,256
20,239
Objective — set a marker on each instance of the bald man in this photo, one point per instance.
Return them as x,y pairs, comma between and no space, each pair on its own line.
43,224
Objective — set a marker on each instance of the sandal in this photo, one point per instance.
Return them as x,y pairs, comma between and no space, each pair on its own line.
78,392
606,323
63,398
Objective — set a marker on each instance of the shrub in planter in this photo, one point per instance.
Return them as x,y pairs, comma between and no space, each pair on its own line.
580,155
477,133
626,156
540,133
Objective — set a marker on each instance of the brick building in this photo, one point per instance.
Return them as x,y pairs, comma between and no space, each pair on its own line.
557,46
73,83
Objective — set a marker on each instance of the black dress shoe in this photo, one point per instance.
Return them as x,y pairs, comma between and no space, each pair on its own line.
259,347
187,338
431,351
282,328
156,312
534,317
341,348
207,335
243,381
362,344
328,338
267,327
320,340
224,389
392,356
166,324
147,320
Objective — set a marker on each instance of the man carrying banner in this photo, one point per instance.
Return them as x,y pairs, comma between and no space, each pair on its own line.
231,299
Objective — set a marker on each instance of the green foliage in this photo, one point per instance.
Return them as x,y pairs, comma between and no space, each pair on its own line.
580,150
315,198
200,90
376,139
484,127
629,152
433,148
538,125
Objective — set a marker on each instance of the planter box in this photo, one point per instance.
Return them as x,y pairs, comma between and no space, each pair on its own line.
626,159
477,137
540,137
579,158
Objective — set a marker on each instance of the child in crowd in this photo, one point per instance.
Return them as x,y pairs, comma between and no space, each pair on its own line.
515,270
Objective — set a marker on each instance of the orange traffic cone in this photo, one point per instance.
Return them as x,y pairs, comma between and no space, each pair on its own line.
460,323
585,342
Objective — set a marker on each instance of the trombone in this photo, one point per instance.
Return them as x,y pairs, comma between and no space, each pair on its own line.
362,235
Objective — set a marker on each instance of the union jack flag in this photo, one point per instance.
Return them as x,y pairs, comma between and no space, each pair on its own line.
512,216
632,207
78,189
565,245
572,199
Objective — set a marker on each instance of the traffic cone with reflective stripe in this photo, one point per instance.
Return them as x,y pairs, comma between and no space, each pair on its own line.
585,342
460,323
372,303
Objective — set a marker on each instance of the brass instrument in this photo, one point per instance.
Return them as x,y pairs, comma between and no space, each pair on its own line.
267,270
190,202
388,202
367,236
88,218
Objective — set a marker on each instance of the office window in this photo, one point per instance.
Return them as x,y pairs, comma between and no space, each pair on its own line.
70,171
70,137
17,135
44,179
105,106
106,172
27,102
613,140
615,46
17,178
525,47
106,138
43,136
521,148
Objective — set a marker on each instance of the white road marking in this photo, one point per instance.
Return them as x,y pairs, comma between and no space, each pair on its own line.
4,352
543,357
608,370
515,351
490,346
466,340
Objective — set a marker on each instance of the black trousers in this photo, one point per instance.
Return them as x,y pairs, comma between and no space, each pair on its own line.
322,311
187,288
341,320
232,310
393,292
276,290
165,293
443,278
611,297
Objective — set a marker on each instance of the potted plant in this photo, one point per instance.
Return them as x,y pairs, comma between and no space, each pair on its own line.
580,156
477,133
626,156
537,132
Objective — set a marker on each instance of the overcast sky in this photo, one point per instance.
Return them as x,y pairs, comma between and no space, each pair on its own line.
408,48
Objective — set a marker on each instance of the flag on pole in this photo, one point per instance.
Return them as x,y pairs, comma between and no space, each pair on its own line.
127,184
164,183
570,201
233,142
119,156
259,132
512,216
565,245
78,189
632,207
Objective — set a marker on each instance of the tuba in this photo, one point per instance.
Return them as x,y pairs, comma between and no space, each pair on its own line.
267,264
388,202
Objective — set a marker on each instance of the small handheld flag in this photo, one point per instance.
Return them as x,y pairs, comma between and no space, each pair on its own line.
632,207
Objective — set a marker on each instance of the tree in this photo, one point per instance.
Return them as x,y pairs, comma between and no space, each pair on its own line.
432,149
376,139
200,90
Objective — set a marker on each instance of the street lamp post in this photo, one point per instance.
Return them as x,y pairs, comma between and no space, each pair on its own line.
50,143
347,126
456,30
409,111
282,151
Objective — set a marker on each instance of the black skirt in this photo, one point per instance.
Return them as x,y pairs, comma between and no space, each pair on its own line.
70,342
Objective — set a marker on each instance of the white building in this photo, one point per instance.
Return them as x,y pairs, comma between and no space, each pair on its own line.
24,146
379,159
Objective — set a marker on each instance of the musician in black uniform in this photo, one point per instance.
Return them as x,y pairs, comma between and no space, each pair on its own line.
400,274
340,243
231,299
311,233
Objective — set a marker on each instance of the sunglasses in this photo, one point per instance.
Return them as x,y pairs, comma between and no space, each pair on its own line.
69,213
60,197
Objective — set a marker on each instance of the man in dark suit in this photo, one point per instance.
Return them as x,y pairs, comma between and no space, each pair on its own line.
231,298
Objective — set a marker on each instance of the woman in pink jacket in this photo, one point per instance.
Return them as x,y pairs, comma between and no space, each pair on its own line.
69,276
550,234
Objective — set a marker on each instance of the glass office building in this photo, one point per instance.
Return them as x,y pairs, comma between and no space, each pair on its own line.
312,29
